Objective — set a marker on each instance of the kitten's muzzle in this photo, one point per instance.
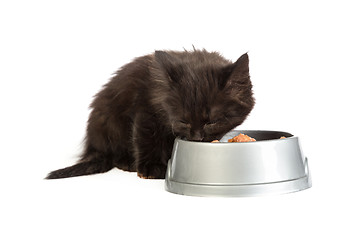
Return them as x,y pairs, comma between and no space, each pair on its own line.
196,139
196,136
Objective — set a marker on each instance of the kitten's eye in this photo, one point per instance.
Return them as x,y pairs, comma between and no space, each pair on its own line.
184,123
212,123
209,125
213,126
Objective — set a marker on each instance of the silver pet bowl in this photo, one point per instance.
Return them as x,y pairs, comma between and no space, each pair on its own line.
268,166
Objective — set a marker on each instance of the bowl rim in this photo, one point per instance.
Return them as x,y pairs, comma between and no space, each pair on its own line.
290,136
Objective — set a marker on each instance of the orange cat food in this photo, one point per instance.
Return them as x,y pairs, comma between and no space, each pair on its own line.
242,138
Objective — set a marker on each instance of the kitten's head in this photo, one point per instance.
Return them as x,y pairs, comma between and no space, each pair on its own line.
203,95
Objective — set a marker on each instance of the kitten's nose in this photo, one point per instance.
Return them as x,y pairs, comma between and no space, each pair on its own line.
197,136
197,139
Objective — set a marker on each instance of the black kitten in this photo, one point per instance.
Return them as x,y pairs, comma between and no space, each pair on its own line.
135,118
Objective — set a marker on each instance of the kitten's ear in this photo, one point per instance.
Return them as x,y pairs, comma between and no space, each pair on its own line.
241,67
237,73
165,59
168,63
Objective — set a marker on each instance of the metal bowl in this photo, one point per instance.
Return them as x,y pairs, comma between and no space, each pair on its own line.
268,166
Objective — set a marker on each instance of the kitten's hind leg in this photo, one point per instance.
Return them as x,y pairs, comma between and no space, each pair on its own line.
124,161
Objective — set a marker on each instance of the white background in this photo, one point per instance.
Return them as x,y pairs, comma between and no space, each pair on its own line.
55,55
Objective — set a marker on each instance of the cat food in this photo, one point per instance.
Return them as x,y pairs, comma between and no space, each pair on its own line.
239,138
242,138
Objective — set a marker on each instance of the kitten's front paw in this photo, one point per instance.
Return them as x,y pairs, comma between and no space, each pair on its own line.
152,172
140,175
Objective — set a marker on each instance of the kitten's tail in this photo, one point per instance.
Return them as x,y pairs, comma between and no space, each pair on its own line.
82,168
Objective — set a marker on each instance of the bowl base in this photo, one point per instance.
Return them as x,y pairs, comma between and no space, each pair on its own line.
243,190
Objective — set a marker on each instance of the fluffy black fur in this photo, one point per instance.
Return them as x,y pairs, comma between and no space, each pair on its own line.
135,118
